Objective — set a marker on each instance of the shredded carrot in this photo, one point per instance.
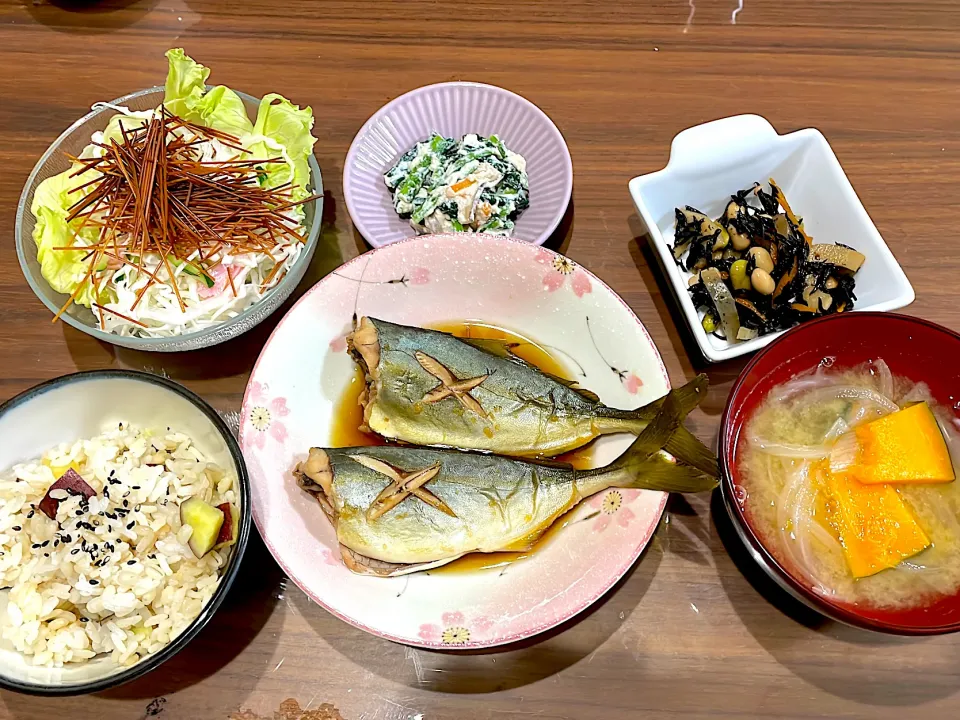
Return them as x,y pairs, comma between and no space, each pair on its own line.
465,183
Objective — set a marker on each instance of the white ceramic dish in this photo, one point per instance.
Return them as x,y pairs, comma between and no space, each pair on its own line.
304,370
709,162
82,405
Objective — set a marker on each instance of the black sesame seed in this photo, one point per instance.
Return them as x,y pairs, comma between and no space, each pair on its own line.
134,487
131,562
94,582
126,503
79,513
137,509
30,515
35,546
46,554
44,543
75,551
83,619
131,524
17,528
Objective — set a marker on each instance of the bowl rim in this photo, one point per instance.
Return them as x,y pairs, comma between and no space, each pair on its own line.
153,661
148,344
757,549
349,164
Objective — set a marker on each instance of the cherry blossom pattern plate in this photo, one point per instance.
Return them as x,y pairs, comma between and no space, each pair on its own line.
304,370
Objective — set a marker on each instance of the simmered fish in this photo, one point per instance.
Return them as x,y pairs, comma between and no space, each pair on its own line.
402,509
430,388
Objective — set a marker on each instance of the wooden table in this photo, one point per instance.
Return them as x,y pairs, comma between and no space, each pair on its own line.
689,633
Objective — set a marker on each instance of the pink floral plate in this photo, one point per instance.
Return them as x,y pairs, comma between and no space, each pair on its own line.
304,370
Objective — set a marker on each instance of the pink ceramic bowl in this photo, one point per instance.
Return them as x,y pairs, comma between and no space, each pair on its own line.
455,109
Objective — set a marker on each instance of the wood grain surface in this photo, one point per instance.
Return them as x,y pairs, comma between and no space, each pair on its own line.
690,633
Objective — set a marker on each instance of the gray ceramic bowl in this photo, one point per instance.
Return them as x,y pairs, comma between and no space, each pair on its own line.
80,406
72,141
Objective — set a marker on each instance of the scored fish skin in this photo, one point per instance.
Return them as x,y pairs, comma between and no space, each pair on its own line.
430,388
473,502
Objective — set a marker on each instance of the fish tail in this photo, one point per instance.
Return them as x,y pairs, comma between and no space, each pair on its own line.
687,396
682,444
650,464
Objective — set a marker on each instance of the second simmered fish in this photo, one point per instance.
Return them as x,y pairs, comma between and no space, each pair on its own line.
431,388
399,510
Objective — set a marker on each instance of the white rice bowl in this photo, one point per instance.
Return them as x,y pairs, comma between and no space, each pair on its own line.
113,576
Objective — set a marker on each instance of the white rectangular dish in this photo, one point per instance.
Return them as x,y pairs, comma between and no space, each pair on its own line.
710,162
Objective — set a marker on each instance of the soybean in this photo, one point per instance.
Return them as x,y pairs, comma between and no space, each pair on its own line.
761,259
762,282
740,242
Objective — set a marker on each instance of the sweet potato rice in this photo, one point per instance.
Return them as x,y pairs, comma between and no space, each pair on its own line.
113,574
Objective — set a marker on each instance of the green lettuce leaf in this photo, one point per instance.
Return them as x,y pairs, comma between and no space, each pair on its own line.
221,109
185,94
283,130
62,269
186,82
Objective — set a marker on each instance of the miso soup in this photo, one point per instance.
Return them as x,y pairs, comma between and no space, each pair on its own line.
815,461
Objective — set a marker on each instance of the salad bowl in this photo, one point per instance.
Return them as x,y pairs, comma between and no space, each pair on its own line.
54,161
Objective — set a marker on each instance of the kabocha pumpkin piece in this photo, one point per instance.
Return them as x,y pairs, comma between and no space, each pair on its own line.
903,447
877,530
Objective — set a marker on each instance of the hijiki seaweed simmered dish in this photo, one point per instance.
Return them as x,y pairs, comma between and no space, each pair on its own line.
755,268
176,219
475,184
112,545
401,509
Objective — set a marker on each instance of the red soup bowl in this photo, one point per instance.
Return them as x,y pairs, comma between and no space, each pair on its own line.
913,348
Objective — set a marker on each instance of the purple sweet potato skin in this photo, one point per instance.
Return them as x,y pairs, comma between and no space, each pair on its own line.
73,484
226,530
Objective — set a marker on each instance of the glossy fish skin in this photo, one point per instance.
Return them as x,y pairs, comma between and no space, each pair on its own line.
473,502
431,388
